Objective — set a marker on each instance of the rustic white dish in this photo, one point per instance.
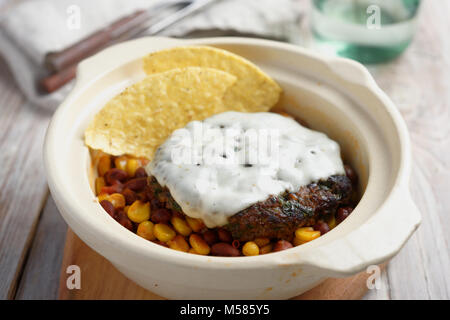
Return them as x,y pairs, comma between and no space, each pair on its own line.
334,95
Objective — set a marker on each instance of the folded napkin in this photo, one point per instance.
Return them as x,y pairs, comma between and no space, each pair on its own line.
31,29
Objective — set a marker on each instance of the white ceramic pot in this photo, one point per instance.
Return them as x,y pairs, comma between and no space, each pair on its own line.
334,95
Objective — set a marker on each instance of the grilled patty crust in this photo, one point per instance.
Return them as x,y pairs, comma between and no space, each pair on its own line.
278,216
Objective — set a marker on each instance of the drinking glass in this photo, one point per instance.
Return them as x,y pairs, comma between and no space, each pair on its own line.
370,31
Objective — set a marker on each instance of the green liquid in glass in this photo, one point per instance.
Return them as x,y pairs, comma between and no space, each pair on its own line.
341,27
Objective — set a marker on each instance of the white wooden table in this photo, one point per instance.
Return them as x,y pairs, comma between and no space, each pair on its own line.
32,232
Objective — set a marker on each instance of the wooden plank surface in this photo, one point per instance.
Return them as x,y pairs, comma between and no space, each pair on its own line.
419,83
40,277
24,188
100,280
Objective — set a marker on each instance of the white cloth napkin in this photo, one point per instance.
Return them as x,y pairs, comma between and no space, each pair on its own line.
35,27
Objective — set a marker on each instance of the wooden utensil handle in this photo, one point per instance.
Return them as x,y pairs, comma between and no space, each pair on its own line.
57,61
57,80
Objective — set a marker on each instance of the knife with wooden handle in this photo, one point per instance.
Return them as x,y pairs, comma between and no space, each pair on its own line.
63,63
57,61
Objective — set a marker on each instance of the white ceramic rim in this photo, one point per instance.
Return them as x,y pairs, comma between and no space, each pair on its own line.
140,247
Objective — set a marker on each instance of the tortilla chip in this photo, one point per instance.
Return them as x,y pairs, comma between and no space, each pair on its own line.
254,91
140,118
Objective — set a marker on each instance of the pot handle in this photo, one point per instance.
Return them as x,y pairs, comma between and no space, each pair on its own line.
369,245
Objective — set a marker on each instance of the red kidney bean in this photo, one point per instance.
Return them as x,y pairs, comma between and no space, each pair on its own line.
117,187
130,196
108,207
224,249
136,184
343,213
236,244
351,174
123,219
140,173
224,235
322,227
161,216
142,196
161,243
115,174
210,237
177,214
282,245
154,204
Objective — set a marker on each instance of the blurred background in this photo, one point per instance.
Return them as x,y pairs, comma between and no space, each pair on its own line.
404,44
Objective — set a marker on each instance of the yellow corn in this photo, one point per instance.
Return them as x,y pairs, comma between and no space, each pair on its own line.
192,250
139,211
102,196
132,166
126,209
250,248
121,162
179,243
306,234
195,224
145,230
181,226
99,184
117,199
297,241
200,246
104,164
331,222
261,242
266,249
163,232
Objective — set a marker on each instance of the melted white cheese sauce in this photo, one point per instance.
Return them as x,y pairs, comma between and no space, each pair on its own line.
224,164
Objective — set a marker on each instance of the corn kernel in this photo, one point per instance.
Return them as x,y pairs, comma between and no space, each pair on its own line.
121,162
125,209
102,196
200,246
297,241
192,250
95,155
145,230
179,243
132,166
117,199
306,234
261,242
181,226
266,249
163,232
250,248
331,222
195,224
99,184
104,164
139,211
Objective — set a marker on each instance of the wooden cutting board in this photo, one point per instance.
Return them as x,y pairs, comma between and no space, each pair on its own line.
100,280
